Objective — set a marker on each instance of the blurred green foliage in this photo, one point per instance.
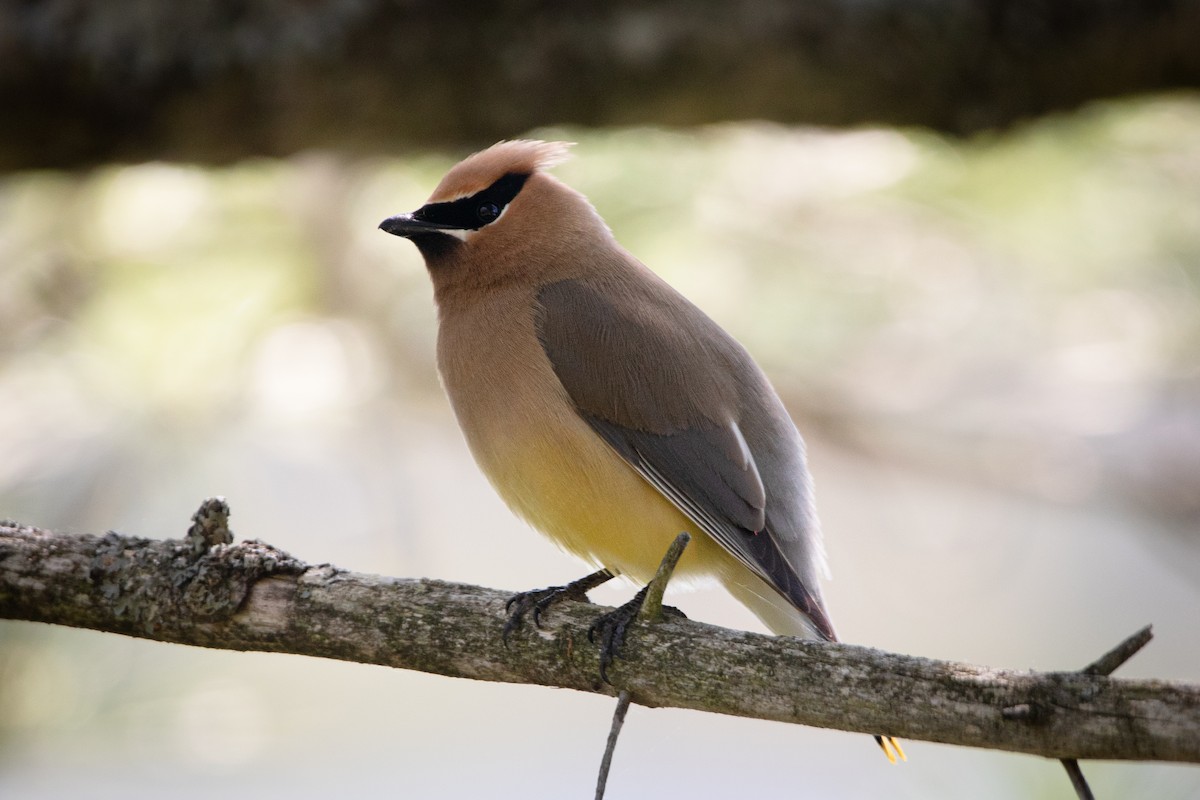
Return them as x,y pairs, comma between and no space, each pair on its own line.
1018,312
1042,286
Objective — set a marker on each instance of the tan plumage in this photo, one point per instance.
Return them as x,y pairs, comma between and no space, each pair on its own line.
605,408
537,441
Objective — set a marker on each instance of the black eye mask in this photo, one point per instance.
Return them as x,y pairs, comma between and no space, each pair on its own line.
472,213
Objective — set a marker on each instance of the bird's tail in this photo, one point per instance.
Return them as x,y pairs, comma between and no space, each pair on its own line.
891,748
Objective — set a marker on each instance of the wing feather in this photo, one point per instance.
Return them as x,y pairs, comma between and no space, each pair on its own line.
626,370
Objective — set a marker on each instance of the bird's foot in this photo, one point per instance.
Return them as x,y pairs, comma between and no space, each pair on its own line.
540,600
609,629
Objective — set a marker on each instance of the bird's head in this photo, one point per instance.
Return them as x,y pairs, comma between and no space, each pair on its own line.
495,204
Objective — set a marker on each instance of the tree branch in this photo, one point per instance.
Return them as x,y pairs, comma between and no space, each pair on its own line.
88,82
250,596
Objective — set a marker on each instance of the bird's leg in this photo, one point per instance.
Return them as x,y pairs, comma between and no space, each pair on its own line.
540,600
609,629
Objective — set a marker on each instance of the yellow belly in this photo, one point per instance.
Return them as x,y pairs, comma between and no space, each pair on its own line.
565,481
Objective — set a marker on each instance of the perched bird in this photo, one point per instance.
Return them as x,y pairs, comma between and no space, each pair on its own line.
604,407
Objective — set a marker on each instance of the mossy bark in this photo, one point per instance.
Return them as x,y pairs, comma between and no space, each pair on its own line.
250,596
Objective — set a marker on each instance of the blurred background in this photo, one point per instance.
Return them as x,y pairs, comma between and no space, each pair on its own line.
990,342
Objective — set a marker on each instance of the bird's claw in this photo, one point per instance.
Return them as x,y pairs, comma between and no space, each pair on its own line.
538,601
609,629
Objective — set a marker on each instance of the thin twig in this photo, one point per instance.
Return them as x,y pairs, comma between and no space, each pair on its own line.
623,700
651,611
1108,663
1082,790
1105,665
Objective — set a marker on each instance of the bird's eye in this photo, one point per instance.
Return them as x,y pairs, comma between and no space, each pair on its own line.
487,212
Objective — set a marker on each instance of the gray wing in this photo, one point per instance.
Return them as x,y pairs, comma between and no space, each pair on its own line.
629,367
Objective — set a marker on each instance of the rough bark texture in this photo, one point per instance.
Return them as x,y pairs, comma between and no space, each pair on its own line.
86,82
250,596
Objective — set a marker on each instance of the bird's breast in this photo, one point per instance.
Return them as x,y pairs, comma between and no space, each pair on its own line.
542,457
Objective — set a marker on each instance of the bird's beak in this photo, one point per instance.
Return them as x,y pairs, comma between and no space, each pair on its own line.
407,225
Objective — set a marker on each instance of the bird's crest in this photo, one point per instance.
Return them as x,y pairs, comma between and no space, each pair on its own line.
480,170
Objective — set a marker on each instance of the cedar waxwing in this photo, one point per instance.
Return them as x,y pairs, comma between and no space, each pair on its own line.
605,408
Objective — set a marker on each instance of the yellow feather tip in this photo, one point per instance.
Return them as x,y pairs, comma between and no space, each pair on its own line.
891,748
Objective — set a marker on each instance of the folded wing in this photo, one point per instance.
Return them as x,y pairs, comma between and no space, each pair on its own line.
657,380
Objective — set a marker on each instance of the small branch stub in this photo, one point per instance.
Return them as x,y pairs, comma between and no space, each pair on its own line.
652,606
210,526
1107,664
